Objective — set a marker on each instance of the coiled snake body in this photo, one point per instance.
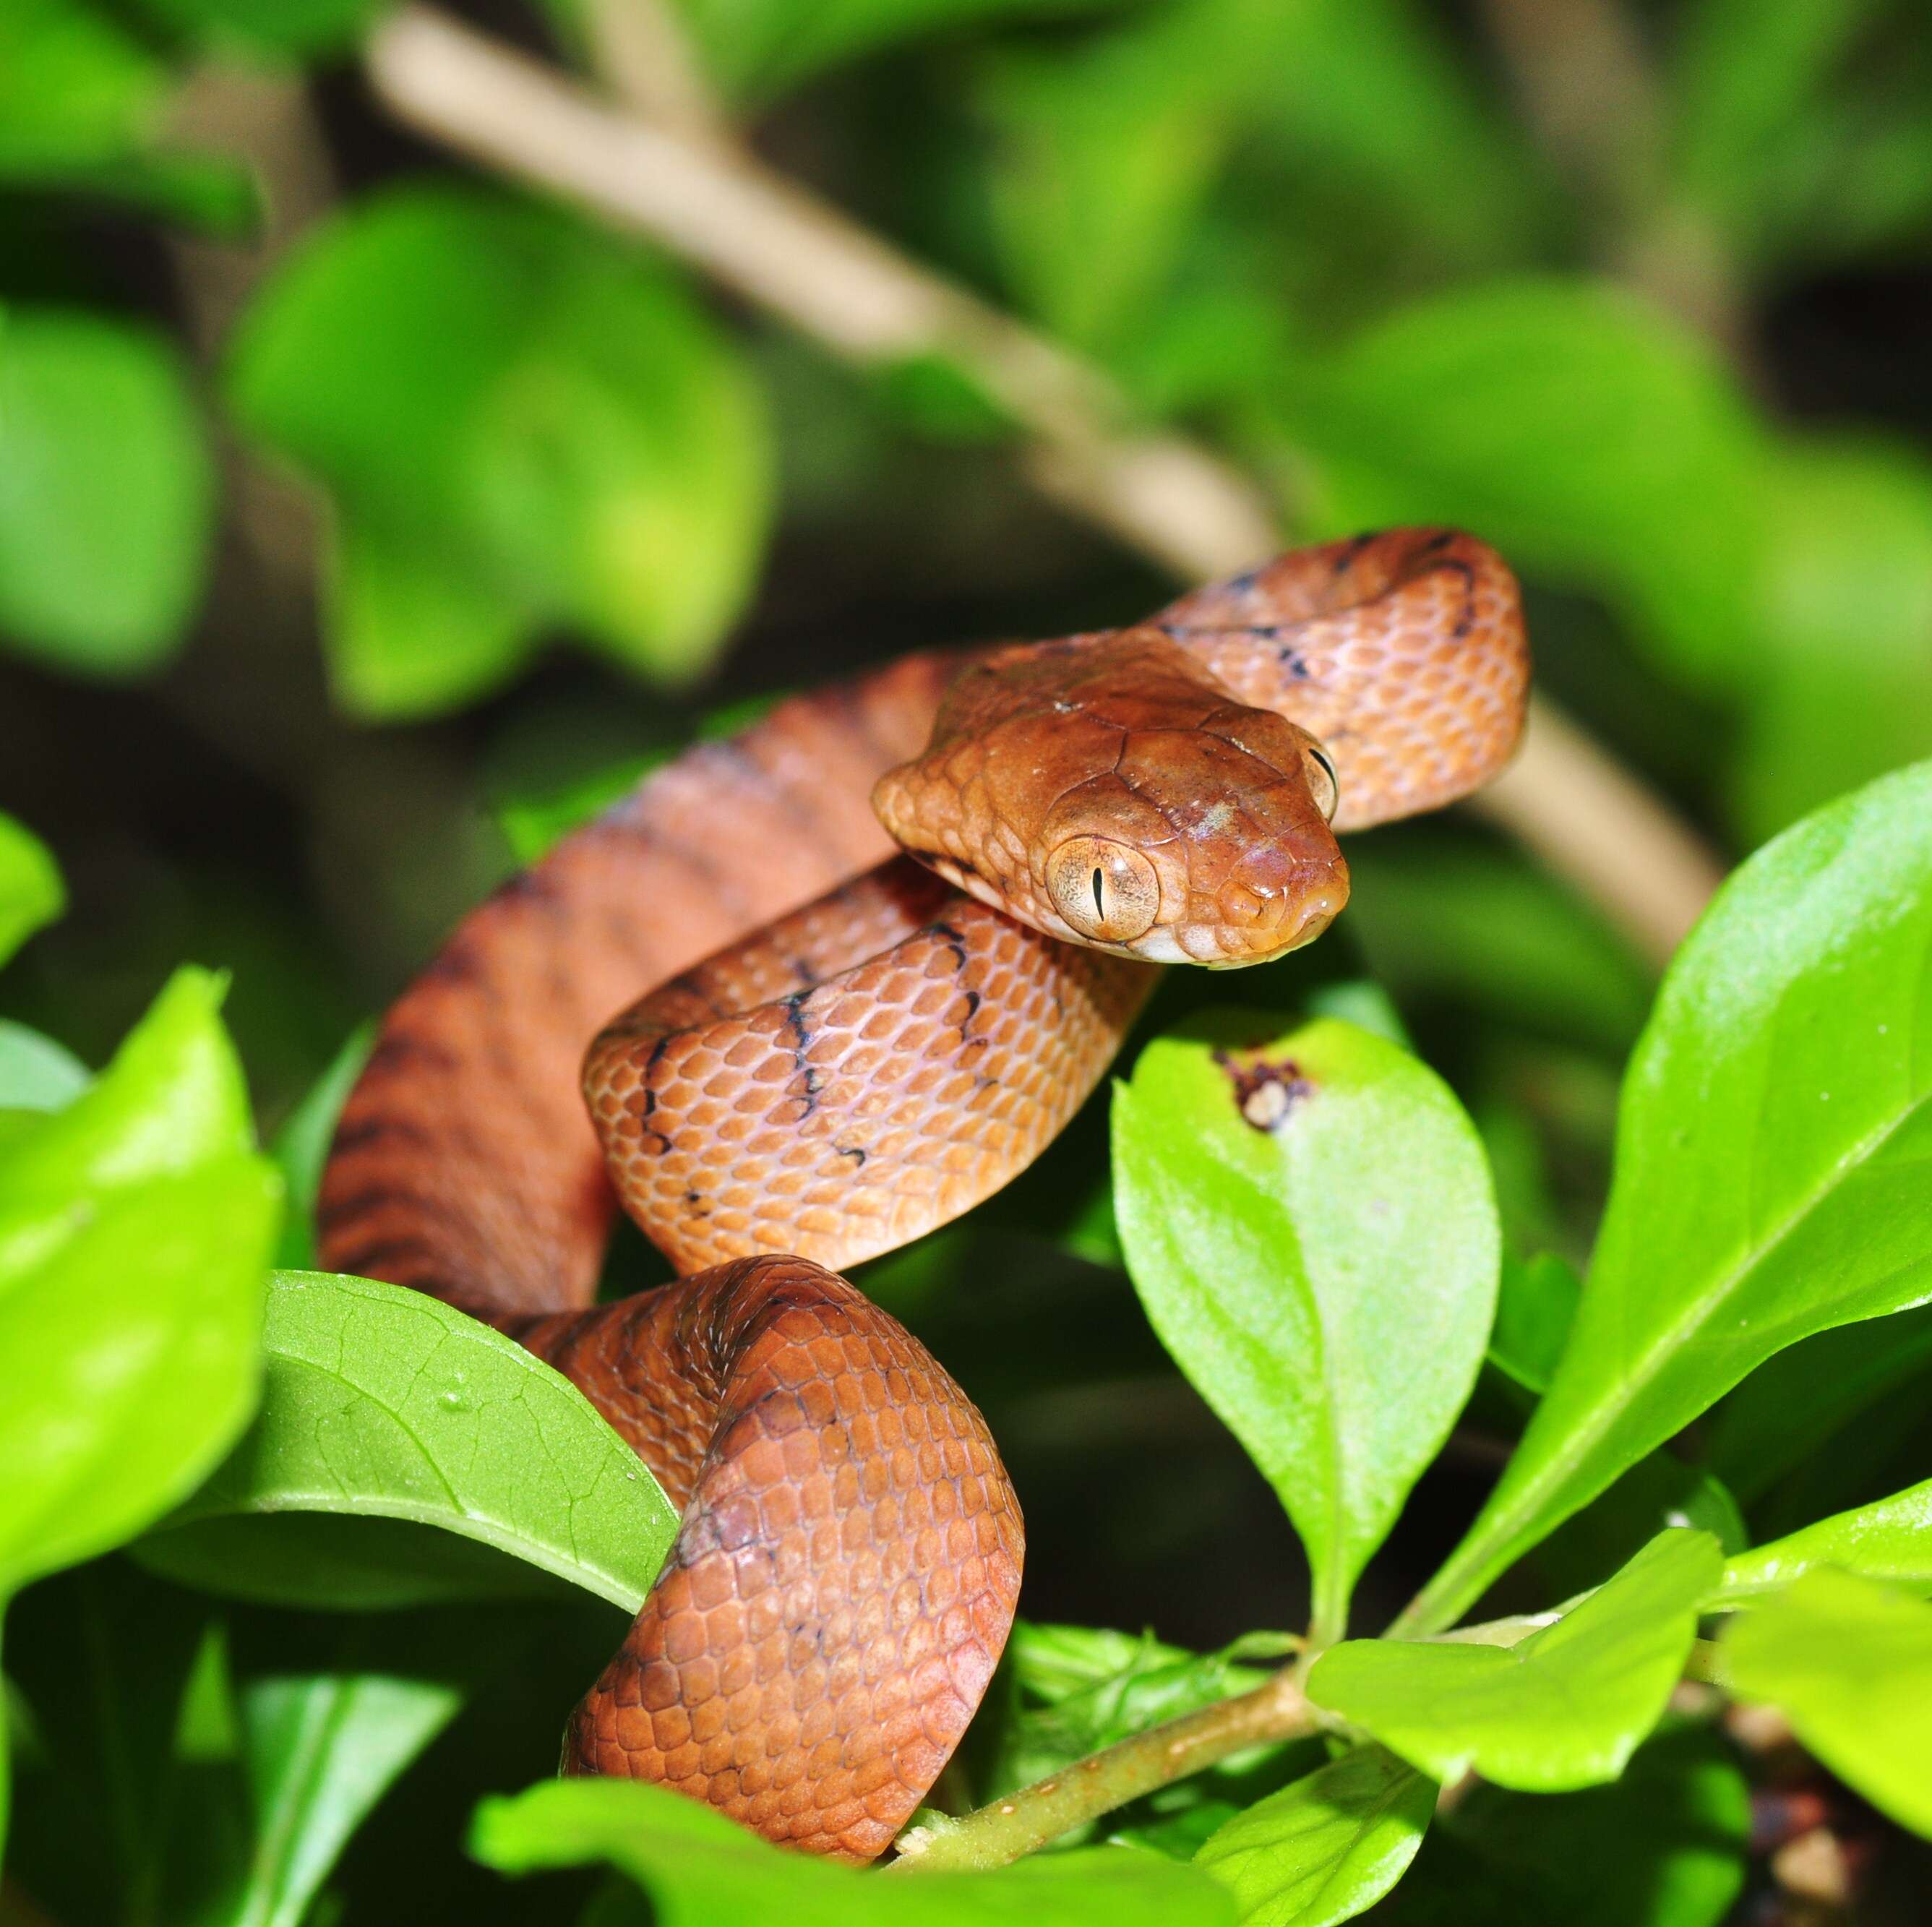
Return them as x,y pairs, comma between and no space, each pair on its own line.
845,1048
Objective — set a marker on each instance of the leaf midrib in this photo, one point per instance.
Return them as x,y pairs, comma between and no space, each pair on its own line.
1604,1415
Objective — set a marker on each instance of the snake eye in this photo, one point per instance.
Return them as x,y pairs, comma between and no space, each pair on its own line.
1326,785
1103,890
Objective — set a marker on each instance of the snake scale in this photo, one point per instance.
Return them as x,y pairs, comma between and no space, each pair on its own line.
889,938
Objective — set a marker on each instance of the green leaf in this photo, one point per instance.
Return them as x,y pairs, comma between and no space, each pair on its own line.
1308,1220
386,1404
36,1074
1327,1848
700,1868
1781,1416
1849,1662
1594,440
1480,925
105,492
1663,1847
82,107
1657,1491
31,893
320,1749
1890,1538
1565,1709
1103,1691
532,825
1843,686
135,1227
301,1146
758,48
1769,1176
1536,1305
520,423
299,29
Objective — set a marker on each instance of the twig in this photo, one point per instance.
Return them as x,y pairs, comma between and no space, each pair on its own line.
1167,498
1025,1821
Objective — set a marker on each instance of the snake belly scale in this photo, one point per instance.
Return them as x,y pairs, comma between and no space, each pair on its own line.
889,939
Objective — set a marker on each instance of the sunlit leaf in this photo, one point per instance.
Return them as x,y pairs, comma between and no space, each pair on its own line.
1564,1709
1770,1145
1890,1538
1309,1221
386,1404
700,1868
135,1228
1849,1662
1326,1847
105,492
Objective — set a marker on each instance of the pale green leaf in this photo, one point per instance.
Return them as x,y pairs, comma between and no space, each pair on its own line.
1326,1847
105,492
135,1228
1565,1709
36,1074
1309,1221
387,1404
1771,1148
701,1869
1890,1538
1849,1662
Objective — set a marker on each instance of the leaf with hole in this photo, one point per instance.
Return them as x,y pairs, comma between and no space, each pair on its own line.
1309,1221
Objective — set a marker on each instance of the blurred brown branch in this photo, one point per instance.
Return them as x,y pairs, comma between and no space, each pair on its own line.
1173,501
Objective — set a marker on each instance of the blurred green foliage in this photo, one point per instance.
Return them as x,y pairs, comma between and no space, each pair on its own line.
366,522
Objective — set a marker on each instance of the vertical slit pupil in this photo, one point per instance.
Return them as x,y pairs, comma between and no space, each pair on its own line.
1099,903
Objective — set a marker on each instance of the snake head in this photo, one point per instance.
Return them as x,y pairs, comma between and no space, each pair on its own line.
1108,790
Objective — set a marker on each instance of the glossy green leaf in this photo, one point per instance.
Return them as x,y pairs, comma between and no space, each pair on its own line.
36,1074
700,1869
1308,1220
1771,1147
1565,1709
1663,1847
319,1750
135,1229
387,1404
1327,1848
1890,1538
105,492
1591,437
519,423
31,893
1849,1662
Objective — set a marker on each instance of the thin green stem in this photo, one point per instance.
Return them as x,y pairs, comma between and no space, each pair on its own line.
1007,1829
